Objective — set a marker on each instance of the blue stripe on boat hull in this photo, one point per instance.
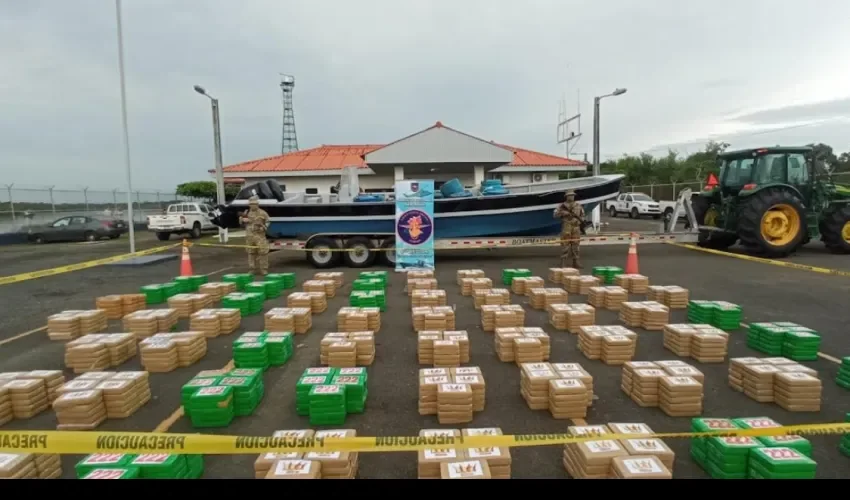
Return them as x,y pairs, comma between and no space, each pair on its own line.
534,223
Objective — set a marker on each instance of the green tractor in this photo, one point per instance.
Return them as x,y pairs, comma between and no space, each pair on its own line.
774,200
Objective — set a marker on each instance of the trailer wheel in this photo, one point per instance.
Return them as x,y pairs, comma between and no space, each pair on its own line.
387,254
835,230
359,252
323,253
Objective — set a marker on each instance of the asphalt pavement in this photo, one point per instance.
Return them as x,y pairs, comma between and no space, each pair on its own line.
766,293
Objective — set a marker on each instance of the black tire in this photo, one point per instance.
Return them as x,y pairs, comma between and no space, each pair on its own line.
90,236
37,239
709,239
668,213
364,254
656,216
387,257
634,214
322,253
612,212
196,231
114,236
833,232
163,236
750,215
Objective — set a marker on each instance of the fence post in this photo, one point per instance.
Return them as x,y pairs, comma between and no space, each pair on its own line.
52,205
115,201
138,205
158,202
11,202
86,197
652,190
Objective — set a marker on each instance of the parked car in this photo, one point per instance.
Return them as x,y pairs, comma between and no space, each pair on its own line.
636,205
182,218
78,228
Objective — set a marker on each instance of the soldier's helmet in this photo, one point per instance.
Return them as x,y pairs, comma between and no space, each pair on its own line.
254,200
569,194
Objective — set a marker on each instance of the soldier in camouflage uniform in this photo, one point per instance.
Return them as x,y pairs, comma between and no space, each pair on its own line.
256,222
571,214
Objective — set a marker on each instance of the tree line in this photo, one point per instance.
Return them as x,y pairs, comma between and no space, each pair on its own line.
674,168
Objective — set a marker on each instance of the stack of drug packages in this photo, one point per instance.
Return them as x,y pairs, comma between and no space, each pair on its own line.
69,325
704,343
472,463
469,286
523,285
565,399
786,339
316,302
217,290
491,297
452,350
358,319
99,351
463,274
674,386
631,458
145,466
580,285
557,274
649,315
87,401
790,385
118,306
30,466
674,297
337,277
633,283
427,298
335,349
419,275
453,394
505,316
165,352
320,464
508,275
148,322
213,398
429,461
428,283
326,286
508,347
324,406
27,400
607,297
541,298
613,344
187,304
215,322
433,318
297,320
571,317
265,462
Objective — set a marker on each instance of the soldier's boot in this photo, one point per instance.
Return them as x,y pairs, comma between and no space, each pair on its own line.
576,263
564,261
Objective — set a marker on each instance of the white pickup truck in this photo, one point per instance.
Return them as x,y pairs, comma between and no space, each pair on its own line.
182,218
637,205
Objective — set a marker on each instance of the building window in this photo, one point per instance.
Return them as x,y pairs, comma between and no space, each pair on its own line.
312,190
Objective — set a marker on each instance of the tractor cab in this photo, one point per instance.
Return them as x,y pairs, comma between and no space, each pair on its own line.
746,171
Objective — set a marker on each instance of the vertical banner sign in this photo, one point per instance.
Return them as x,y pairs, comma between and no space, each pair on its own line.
414,225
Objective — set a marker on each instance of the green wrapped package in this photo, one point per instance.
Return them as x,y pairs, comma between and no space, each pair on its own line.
211,407
270,288
843,378
756,423
244,372
327,404
509,274
381,276
766,337
844,444
368,298
355,391
249,337
798,443
287,280
367,284
257,287
102,461
780,463
359,371
192,386
718,313
699,446
728,457
801,344
302,391
700,311
251,355
606,274
170,289
279,346
161,466
154,294
247,393
185,284
238,279
117,473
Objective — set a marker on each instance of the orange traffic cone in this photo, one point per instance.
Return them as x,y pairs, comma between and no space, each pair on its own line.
185,261
632,258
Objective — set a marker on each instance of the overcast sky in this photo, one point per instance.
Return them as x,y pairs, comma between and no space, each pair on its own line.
371,71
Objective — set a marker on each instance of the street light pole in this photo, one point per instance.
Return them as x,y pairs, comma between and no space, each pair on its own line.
130,218
219,168
596,214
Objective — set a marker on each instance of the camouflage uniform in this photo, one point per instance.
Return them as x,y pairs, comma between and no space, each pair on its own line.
256,223
571,214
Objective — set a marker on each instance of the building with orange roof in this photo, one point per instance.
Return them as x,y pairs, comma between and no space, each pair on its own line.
437,152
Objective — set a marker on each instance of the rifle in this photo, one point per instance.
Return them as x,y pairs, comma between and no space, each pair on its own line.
583,225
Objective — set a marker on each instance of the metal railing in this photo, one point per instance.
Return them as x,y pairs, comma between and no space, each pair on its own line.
670,191
21,207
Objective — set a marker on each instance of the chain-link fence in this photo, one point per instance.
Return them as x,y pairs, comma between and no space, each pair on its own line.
21,207
670,191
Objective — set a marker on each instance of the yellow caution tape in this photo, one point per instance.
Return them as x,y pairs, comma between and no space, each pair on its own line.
545,243
780,263
17,278
72,442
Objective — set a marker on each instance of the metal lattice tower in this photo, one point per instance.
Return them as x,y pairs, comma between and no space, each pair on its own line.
289,138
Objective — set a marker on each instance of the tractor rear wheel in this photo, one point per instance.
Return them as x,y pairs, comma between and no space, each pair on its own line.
835,230
706,214
772,222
